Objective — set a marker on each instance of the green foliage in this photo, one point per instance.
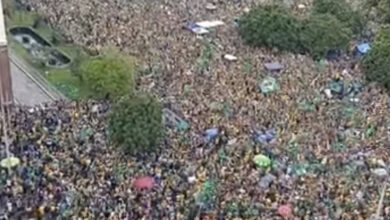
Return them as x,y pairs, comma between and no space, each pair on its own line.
108,75
371,3
79,57
323,32
342,11
383,8
56,37
272,26
67,83
9,5
275,27
23,18
135,123
376,63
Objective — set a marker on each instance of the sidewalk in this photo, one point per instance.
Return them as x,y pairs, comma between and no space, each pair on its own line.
29,87
26,91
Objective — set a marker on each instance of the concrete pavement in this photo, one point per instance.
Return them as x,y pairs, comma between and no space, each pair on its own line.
26,91
29,86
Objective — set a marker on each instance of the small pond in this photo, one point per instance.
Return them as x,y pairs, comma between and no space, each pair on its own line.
39,48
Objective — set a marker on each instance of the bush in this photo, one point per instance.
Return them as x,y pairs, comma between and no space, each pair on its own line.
271,26
376,63
322,33
383,9
110,75
135,123
342,11
371,3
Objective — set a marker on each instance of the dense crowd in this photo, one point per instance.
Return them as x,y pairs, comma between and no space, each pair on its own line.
68,171
325,150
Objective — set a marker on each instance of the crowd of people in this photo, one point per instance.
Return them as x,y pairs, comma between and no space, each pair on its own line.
323,154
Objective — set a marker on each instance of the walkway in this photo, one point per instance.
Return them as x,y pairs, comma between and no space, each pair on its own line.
30,88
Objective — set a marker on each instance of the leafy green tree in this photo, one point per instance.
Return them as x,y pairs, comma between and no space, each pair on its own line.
342,11
376,63
271,26
371,3
383,9
110,75
322,33
135,123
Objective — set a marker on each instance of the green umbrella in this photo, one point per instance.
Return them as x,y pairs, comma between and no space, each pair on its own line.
182,126
85,133
268,85
262,161
370,131
10,162
321,63
336,86
300,169
221,154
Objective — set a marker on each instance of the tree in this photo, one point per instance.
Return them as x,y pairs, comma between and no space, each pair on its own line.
110,75
135,123
272,26
342,11
376,63
383,9
322,33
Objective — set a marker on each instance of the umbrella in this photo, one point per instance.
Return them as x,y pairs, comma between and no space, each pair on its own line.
211,6
265,137
285,211
262,161
363,48
274,66
211,133
182,126
268,85
230,57
145,182
10,162
209,24
197,29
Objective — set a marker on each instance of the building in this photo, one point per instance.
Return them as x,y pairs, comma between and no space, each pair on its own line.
5,75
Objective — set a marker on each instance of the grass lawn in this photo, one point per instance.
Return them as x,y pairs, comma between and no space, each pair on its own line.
62,78
67,83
